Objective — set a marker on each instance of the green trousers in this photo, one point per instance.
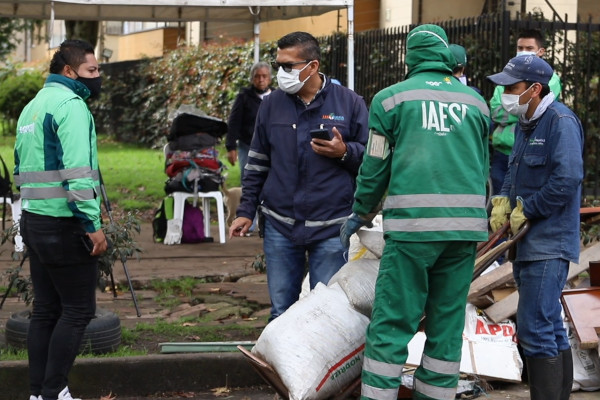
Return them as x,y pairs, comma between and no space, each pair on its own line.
417,279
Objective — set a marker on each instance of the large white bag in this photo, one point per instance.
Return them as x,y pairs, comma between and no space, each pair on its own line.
357,279
316,346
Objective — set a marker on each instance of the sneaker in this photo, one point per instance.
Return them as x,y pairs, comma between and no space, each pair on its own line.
65,395
32,397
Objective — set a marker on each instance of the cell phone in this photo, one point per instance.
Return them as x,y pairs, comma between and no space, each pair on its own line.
320,134
87,243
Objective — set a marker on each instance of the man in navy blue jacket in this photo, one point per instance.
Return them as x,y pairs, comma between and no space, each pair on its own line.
543,186
303,186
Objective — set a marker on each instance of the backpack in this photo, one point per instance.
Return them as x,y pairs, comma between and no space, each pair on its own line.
193,225
5,190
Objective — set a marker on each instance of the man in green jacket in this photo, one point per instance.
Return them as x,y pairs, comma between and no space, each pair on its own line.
56,171
428,155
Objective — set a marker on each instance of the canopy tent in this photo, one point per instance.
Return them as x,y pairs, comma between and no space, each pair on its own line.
254,11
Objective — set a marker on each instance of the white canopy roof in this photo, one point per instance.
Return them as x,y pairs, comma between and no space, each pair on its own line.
168,10
254,11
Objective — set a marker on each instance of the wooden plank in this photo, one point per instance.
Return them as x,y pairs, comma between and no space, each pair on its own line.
581,306
503,309
492,280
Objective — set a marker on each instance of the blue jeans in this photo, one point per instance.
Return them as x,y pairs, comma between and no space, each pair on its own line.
243,149
64,278
286,264
540,328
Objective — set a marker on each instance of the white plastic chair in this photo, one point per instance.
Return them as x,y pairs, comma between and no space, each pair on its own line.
15,212
174,227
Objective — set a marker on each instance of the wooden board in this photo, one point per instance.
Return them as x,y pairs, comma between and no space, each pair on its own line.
582,306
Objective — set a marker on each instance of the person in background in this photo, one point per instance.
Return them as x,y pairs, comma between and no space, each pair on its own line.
56,171
460,55
542,186
428,155
303,185
240,126
529,42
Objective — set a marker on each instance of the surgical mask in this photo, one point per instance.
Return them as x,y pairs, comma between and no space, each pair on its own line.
93,84
510,102
463,79
526,53
290,82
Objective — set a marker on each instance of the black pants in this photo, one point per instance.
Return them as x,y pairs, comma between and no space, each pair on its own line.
64,282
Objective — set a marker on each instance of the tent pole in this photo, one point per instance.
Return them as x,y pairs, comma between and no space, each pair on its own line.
351,45
51,27
256,32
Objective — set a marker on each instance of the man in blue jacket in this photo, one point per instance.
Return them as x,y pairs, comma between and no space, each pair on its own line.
303,186
543,186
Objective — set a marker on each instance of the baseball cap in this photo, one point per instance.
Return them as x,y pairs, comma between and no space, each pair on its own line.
459,53
523,68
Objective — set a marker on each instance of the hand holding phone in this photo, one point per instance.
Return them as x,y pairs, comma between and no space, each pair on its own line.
320,134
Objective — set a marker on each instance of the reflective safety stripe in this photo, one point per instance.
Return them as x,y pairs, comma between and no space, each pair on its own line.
336,221
254,167
434,95
434,200
55,175
57,192
280,218
435,224
377,393
308,224
260,156
435,392
440,366
382,368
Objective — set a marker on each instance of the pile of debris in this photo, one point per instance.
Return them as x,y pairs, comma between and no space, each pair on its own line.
314,350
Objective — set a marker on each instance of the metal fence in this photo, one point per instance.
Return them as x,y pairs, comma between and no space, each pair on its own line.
573,48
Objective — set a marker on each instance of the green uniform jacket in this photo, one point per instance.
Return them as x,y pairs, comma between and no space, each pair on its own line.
56,159
503,137
428,148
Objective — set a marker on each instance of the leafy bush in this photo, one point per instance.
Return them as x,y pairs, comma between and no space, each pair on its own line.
16,90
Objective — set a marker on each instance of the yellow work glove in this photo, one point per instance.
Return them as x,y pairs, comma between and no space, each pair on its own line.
517,218
500,212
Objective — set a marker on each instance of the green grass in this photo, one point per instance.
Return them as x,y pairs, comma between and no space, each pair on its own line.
133,176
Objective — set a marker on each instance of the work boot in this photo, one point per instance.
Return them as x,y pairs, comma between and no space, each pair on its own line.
65,395
567,370
545,377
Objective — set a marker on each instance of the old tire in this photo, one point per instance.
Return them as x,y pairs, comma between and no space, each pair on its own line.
102,335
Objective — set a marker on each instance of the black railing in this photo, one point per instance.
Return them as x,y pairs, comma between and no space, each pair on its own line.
572,48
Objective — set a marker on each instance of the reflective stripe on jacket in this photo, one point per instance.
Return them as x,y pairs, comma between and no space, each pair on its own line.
56,159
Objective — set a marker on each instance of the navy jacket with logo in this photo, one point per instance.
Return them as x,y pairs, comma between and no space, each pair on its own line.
304,195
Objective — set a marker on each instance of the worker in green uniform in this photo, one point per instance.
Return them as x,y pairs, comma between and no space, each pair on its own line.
428,155
56,171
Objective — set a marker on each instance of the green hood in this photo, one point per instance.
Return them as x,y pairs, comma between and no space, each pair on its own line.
427,50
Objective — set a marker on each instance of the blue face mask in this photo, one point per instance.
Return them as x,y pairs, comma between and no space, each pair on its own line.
526,53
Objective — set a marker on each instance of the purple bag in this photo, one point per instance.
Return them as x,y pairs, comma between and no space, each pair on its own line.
193,225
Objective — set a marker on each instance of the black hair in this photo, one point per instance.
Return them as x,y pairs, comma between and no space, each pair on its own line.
70,52
308,45
533,34
545,88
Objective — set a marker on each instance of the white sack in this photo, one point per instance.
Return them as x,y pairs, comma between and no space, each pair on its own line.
357,279
586,364
316,346
372,238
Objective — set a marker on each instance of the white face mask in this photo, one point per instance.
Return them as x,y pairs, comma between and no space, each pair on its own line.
510,102
463,79
290,82
526,53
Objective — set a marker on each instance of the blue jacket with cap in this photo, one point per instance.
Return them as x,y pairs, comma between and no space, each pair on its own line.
546,170
305,196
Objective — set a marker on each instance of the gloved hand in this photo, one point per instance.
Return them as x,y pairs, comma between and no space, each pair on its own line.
517,218
500,212
351,226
